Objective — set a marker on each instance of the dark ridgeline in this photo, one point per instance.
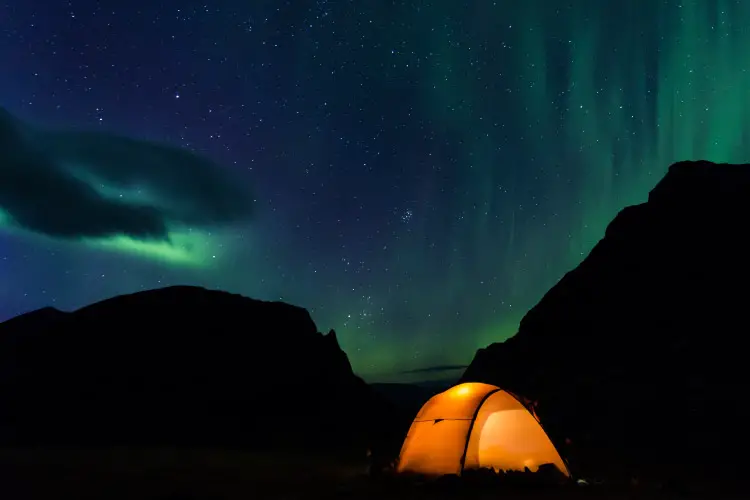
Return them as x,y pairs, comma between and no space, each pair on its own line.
639,355
182,366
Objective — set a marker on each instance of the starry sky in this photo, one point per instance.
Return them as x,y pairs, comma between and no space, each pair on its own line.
415,173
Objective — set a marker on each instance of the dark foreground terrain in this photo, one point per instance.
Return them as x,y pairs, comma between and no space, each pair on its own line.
164,474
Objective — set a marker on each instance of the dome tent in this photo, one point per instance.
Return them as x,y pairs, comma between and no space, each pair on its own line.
476,425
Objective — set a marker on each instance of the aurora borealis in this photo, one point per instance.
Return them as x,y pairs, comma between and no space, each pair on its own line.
420,172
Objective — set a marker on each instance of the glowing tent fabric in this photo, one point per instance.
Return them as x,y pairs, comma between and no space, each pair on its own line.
476,426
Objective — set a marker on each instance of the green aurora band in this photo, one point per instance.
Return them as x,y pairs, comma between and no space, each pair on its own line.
609,94
186,247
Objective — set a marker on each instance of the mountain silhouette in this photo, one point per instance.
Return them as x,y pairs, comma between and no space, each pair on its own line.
637,357
182,366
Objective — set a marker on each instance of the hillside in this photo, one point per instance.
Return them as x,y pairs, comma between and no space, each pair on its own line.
182,366
637,356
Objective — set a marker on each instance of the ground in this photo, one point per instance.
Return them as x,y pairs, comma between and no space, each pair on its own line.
196,475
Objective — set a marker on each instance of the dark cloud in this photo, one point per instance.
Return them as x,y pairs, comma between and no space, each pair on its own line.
49,184
435,369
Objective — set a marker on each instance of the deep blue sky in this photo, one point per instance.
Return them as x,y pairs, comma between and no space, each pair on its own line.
422,171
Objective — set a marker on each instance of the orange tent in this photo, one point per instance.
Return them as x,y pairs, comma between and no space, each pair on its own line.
476,425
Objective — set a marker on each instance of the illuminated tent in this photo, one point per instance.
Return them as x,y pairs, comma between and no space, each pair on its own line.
476,426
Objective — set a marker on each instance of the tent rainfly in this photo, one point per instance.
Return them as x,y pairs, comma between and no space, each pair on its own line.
476,425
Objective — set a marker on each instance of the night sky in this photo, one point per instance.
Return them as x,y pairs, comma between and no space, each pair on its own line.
416,173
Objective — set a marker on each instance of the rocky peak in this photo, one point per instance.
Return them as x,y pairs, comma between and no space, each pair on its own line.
631,354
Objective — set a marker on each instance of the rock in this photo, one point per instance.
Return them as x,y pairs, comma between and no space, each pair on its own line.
637,357
181,366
